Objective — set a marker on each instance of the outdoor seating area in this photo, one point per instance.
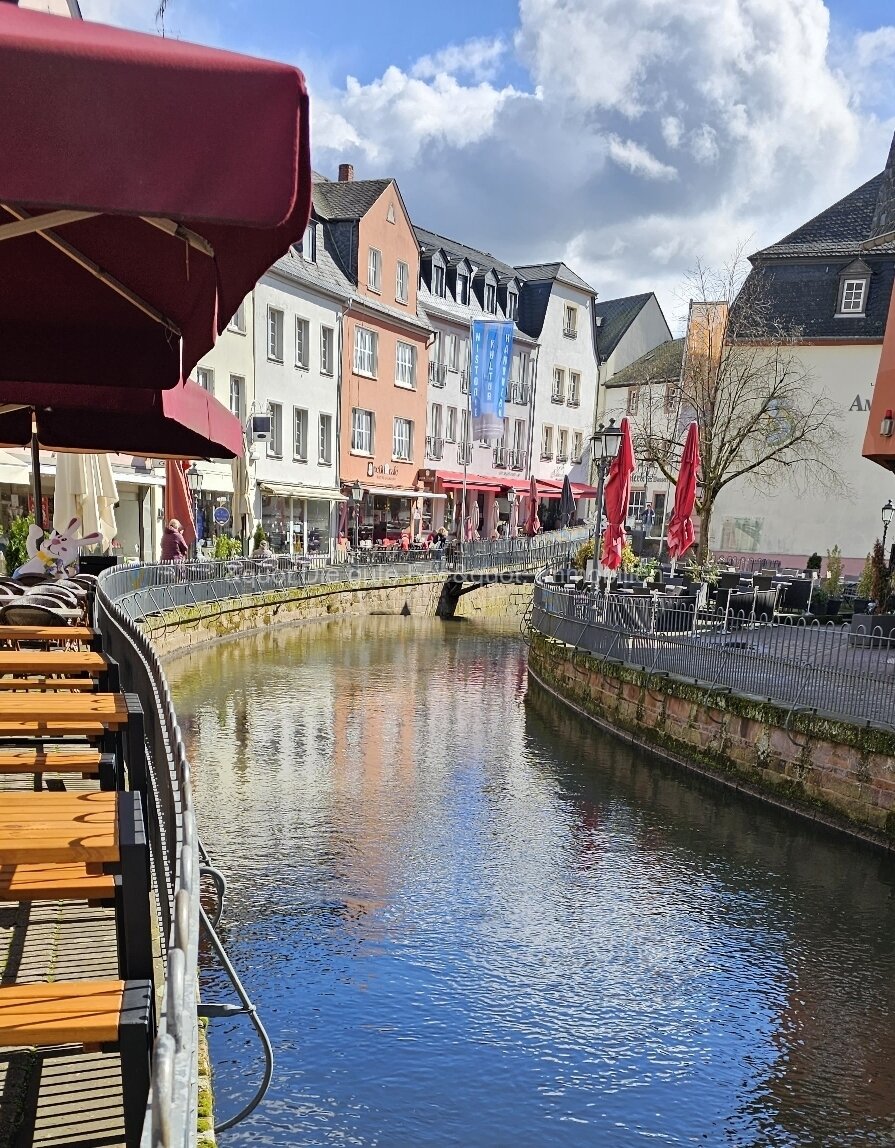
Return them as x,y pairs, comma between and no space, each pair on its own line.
74,853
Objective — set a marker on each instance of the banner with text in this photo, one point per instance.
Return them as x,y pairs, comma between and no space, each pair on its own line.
492,349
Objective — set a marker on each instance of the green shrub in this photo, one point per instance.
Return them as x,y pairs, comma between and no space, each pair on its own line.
17,537
227,547
834,572
814,562
583,555
864,589
258,537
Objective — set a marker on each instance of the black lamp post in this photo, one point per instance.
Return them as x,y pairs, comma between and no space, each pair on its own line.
357,497
887,512
511,499
606,441
194,481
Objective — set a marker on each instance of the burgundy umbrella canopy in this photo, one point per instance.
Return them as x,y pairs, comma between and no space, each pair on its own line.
616,496
146,185
184,422
680,528
532,522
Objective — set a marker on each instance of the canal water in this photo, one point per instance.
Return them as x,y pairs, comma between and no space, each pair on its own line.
469,918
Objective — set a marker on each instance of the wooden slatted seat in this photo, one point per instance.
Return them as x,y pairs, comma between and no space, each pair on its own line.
84,662
46,635
48,685
108,1012
73,882
84,762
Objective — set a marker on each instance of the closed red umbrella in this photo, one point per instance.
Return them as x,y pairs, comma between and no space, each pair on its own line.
146,185
178,500
616,495
532,522
680,528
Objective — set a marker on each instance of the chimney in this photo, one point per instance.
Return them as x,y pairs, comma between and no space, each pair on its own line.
346,172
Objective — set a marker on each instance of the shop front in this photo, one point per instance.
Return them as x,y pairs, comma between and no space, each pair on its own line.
299,519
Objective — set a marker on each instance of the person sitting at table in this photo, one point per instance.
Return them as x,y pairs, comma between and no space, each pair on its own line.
262,550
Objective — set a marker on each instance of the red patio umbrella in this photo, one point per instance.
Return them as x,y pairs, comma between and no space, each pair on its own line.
178,500
680,528
185,422
146,185
616,496
532,522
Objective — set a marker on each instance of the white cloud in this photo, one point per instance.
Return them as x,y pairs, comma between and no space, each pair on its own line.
875,47
638,160
672,131
479,58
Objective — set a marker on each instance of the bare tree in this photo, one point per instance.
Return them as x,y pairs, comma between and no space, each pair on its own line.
760,419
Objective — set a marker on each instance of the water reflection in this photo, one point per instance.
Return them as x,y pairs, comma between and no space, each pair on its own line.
471,919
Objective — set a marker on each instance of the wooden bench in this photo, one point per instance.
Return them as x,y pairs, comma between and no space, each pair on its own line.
111,1013
40,715
105,832
74,882
83,762
60,667
47,635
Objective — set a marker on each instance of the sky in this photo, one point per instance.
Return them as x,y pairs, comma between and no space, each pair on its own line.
630,138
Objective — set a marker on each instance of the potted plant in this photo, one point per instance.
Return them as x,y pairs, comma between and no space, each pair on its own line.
813,565
879,621
16,539
834,581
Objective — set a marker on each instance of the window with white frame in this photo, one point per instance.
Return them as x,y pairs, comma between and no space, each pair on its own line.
558,393
405,365
237,390
435,421
275,442
437,280
275,334
512,304
299,434
570,321
450,425
374,269
574,396
453,352
308,245
562,445
402,443
402,282
636,505
238,322
547,442
670,398
577,445
327,350
464,425
205,379
325,441
633,400
853,293
361,431
462,288
302,343
519,439
490,298
365,342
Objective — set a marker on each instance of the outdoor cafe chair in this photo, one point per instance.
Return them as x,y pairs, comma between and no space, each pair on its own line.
33,579
27,613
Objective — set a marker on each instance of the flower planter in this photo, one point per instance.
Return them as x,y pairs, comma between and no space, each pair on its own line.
872,630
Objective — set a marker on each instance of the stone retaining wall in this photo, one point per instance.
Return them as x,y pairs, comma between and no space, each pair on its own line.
833,772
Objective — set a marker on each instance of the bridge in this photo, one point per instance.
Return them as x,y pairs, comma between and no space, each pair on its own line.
459,584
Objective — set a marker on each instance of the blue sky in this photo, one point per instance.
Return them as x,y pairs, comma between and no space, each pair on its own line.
627,137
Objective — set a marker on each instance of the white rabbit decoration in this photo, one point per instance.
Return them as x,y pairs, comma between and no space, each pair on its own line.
53,553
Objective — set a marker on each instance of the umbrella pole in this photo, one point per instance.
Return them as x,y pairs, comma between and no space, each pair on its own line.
35,480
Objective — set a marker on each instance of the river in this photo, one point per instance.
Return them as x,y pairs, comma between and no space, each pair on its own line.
469,918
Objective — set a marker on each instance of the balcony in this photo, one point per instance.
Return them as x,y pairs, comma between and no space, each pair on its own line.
501,457
464,382
464,453
558,394
570,330
562,455
437,374
517,460
546,454
519,394
434,448
573,400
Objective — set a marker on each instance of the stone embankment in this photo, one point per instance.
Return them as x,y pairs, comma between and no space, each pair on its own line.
839,774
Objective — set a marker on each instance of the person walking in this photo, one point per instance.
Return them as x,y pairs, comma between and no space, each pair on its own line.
174,547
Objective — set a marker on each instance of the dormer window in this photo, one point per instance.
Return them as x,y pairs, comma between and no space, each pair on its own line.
462,288
854,284
308,245
512,304
438,280
490,298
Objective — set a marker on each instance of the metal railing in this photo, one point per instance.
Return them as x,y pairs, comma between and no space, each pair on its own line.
804,664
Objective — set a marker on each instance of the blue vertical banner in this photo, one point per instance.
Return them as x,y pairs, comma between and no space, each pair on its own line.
491,351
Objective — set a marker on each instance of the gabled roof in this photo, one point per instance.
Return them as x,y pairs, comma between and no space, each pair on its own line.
347,199
617,316
839,231
661,364
539,272
483,260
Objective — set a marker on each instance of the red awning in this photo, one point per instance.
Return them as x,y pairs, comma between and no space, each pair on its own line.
453,480
185,422
546,489
581,490
172,177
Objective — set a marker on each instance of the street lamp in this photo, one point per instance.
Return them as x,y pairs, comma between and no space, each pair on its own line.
887,512
357,497
606,440
511,500
194,482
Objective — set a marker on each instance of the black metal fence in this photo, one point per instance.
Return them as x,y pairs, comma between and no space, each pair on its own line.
803,664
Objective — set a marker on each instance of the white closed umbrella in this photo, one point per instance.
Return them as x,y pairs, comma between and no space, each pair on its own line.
86,490
243,496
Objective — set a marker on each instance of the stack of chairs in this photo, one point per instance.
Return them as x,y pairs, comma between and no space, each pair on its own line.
78,833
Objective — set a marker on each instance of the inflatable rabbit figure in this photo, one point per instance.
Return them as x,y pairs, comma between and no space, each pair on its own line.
52,553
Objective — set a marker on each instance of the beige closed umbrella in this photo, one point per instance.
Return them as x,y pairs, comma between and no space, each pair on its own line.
86,490
243,496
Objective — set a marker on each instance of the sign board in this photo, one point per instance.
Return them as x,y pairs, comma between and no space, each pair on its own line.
221,516
491,351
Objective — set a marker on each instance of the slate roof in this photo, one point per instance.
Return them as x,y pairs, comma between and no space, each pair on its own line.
661,364
348,199
536,272
617,316
441,307
483,260
323,274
